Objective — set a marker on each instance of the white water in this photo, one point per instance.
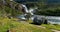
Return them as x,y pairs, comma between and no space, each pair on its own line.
51,19
11,0
25,8
31,10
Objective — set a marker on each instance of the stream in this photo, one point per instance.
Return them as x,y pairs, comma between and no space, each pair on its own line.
51,19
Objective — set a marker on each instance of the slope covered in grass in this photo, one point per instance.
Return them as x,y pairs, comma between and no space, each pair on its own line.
50,26
15,26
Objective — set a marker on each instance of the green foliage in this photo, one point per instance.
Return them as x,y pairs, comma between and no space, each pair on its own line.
49,12
7,10
11,11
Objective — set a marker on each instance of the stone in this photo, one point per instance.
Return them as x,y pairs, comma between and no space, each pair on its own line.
40,20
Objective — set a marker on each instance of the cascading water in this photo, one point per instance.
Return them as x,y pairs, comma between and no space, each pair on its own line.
28,11
31,10
25,8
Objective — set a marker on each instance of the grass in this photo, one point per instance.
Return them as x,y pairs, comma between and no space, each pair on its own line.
50,26
16,26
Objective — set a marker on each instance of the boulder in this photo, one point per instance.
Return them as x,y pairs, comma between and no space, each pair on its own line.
40,20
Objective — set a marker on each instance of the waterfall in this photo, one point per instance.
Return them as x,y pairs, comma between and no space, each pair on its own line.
31,10
25,8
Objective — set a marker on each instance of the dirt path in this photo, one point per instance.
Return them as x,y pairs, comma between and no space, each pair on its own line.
33,25
55,30
40,26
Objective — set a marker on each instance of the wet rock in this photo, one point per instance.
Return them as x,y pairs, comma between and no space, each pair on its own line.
40,20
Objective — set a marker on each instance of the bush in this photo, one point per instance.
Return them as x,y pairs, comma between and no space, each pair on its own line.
48,12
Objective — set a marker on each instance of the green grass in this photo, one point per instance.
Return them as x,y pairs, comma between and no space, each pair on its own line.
15,26
50,26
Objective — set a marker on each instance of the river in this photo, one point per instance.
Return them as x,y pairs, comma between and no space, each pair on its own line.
51,19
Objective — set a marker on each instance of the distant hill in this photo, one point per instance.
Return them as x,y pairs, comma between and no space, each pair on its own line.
46,1
24,1
53,2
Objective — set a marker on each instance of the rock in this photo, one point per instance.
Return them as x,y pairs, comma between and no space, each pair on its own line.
40,20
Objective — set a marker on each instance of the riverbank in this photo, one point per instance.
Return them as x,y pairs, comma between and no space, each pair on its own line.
17,26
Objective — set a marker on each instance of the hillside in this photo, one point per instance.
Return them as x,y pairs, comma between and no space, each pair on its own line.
44,7
13,25
8,8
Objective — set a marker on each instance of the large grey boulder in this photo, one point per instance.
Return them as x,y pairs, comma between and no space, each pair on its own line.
40,20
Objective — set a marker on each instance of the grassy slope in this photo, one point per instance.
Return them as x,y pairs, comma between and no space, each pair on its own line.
50,26
14,26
